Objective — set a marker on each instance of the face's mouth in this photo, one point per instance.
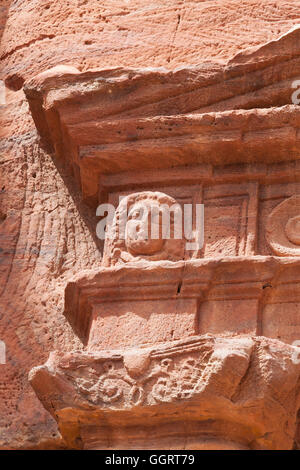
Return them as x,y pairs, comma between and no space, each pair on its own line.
144,246
143,234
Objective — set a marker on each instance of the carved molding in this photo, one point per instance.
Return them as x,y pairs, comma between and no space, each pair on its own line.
120,119
225,279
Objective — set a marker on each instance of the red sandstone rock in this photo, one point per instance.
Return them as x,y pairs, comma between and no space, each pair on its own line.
206,84
236,393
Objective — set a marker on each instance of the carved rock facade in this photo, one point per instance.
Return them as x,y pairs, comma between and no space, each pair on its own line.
157,342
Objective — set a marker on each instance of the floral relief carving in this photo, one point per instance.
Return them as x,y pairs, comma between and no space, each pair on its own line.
166,380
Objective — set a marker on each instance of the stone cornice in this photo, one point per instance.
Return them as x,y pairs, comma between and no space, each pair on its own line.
214,279
115,120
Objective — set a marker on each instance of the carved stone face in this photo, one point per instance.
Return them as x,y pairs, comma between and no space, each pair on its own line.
146,230
144,216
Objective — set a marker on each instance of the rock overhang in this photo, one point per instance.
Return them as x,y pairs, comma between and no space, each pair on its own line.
112,120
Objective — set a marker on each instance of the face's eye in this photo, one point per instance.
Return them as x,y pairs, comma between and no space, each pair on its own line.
135,214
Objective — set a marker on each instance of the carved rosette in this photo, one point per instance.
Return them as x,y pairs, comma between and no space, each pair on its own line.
283,228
